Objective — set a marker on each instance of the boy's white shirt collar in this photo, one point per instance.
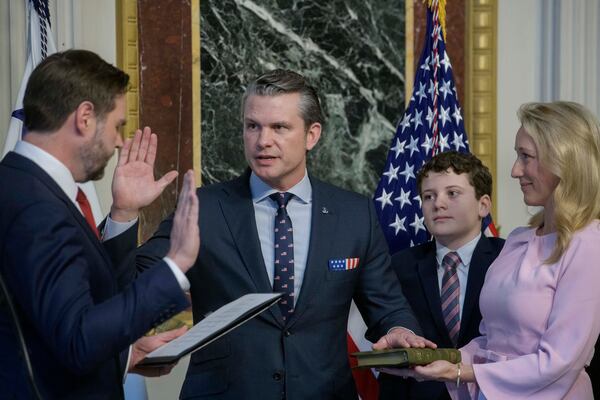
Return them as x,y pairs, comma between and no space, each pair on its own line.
465,252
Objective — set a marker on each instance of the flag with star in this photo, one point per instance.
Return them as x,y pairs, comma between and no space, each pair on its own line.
431,124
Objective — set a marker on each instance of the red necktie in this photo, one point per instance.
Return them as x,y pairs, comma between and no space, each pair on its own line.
84,204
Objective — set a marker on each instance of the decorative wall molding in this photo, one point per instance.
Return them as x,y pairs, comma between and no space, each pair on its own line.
127,58
480,82
196,92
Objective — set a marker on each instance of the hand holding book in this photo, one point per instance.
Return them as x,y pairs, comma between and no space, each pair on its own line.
404,358
403,353
418,363
440,370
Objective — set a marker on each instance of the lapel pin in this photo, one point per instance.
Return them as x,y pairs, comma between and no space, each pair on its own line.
324,210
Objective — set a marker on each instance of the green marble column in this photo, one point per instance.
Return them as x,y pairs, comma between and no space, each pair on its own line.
353,52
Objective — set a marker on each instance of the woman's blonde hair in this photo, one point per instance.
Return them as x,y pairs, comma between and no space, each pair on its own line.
567,137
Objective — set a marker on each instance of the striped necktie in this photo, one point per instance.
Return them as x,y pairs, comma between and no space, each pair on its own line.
283,276
451,294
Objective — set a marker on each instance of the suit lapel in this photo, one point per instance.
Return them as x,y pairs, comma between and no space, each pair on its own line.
17,161
323,227
427,268
477,270
238,211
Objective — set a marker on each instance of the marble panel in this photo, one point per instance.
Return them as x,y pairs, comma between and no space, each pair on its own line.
353,51
166,95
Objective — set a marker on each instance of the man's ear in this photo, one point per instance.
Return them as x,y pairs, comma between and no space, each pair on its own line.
313,134
485,206
85,118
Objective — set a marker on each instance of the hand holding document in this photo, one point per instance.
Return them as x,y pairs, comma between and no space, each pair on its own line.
215,325
147,344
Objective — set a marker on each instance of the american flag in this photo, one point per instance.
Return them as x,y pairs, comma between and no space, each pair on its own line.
432,123
343,264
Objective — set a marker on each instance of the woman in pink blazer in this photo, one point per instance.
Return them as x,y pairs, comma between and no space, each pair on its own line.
541,298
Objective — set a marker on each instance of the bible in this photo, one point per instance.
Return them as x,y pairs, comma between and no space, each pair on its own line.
403,358
215,325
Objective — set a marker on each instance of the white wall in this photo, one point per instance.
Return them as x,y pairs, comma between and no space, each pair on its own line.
547,50
518,66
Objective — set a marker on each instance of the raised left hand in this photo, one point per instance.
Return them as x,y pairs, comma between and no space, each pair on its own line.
401,337
133,185
148,344
185,233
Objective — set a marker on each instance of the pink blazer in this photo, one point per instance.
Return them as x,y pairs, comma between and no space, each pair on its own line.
540,322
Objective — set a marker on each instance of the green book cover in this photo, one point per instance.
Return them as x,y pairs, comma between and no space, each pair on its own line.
403,358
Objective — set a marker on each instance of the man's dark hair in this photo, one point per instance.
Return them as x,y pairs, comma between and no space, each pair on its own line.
461,163
281,81
64,80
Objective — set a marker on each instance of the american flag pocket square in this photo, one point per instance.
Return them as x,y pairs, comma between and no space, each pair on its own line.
343,264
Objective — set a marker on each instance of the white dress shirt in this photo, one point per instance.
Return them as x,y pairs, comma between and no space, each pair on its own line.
299,208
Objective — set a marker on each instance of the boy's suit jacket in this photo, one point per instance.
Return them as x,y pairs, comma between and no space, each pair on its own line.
416,268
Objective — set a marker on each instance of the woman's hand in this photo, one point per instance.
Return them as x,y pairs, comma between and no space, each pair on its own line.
440,370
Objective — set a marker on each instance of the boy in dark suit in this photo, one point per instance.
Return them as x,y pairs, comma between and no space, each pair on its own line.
442,279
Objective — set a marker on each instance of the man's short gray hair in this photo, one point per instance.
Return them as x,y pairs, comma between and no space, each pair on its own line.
281,81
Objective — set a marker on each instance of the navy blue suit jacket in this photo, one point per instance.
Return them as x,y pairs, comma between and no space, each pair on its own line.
416,269
79,313
305,358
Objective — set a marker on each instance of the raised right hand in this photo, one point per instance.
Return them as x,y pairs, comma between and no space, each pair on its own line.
185,233
134,186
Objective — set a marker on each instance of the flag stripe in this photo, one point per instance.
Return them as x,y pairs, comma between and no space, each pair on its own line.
366,383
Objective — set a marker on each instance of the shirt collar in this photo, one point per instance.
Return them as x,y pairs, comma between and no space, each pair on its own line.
465,252
261,190
51,165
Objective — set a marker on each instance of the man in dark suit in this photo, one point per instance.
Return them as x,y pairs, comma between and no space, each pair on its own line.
456,191
276,227
68,314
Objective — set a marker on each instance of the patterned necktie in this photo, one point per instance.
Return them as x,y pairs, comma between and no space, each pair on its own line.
84,204
451,294
283,279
